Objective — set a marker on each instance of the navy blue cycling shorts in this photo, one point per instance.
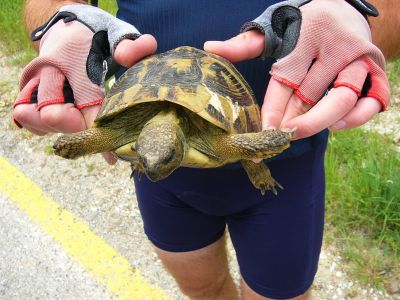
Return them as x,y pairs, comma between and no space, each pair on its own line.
277,238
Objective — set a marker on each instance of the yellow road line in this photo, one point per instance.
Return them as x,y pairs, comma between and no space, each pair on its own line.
108,266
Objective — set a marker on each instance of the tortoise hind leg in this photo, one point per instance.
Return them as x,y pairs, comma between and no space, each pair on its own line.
260,176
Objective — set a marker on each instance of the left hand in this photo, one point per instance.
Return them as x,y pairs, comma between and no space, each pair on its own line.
337,50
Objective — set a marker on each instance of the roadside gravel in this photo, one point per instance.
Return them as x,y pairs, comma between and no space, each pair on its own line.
104,198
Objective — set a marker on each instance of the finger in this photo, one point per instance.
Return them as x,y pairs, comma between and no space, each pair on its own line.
318,80
54,112
275,101
128,52
380,87
110,158
311,90
27,116
51,86
244,46
89,114
64,118
28,93
365,109
326,112
353,76
295,108
315,83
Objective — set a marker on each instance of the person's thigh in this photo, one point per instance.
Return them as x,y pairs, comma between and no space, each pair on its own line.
278,242
171,224
190,243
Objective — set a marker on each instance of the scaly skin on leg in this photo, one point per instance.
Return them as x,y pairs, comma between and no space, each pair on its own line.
247,146
264,144
260,176
94,140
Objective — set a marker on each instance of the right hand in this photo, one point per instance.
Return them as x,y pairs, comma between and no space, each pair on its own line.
316,44
72,57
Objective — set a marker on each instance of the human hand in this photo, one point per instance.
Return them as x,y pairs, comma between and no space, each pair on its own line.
61,90
332,44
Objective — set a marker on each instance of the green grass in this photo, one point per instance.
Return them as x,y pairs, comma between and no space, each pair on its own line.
363,173
363,201
109,5
393,71
48,149
14,40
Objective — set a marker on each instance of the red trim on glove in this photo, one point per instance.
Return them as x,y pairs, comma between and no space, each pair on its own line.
295,87
49,102
285,81
348,85
21,101
88,104
304,98
380,99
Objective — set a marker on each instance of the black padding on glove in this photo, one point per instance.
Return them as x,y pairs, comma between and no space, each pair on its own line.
98,54
38,33
286,24
68,94
364,7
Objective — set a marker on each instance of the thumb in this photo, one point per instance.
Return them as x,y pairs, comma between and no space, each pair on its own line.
128,52
247,45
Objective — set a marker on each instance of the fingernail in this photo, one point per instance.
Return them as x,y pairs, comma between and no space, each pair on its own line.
338,125
17,124
209,44
290,130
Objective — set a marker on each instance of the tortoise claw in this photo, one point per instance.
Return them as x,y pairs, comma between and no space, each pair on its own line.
269,186
136,169
279,185
132,172
260,176
274,191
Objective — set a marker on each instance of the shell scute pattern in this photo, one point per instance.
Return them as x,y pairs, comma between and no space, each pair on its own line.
204,83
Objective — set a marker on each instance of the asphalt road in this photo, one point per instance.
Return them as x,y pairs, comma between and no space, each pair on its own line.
34,266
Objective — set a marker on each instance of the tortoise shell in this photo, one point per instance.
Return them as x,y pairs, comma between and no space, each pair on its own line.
206,84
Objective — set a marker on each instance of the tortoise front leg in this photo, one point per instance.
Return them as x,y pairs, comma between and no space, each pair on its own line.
248,146
260,176
264,144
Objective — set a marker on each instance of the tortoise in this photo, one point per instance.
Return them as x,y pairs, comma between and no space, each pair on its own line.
184,107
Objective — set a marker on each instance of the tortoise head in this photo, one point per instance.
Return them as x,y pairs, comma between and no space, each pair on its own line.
160,148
